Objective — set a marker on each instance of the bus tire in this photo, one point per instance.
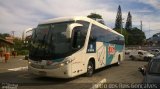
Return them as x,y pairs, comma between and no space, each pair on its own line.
90,68
119,61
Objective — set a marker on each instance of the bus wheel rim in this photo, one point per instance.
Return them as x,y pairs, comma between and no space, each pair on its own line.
90,69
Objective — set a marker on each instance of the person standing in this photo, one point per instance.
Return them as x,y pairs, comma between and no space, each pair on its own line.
7,56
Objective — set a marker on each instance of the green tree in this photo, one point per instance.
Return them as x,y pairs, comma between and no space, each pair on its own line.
94,16
19,47
128,25
133,37
118,23
17,44
136,37
4,35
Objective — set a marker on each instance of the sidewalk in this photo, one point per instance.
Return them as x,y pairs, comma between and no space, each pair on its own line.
12,63
1,59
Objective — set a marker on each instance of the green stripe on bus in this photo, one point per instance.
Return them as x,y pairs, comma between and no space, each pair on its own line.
109,58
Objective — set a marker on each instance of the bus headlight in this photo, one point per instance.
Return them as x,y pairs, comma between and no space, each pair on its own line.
62,64
67,61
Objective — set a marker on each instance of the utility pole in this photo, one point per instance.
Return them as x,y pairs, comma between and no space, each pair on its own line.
149,30
122,25
141,25
12,33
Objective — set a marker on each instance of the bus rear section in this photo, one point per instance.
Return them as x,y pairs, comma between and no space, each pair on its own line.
105,46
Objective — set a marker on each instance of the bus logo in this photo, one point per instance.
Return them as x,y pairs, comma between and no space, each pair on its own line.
111,49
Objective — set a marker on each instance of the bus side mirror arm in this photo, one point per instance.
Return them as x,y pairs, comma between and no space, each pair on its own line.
70,29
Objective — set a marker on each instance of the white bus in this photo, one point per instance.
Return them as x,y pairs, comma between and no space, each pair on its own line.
68,47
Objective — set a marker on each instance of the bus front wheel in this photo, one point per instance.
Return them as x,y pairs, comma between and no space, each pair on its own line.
90,69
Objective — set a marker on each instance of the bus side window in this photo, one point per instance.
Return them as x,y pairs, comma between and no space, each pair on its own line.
91,45
92,40
78,37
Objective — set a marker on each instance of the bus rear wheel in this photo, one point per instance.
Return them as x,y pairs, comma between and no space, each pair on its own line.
90,69
119,61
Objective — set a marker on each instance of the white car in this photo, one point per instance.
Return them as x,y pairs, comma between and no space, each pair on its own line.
154,51
127,52
140,55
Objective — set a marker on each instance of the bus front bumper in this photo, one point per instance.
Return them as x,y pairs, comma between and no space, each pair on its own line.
57,73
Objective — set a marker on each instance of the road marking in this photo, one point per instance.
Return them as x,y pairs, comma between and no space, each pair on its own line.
19,68
20,59
99,84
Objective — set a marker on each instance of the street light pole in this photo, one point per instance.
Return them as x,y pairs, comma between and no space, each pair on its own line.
122,25
121,28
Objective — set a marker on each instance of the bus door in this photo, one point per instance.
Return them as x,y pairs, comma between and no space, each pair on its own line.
78,40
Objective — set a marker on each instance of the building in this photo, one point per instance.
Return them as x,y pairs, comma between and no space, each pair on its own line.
5,46
154,40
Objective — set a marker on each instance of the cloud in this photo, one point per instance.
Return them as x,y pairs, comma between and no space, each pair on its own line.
153,3
144,11
22,14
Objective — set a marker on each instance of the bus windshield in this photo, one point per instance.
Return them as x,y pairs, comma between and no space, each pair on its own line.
49,41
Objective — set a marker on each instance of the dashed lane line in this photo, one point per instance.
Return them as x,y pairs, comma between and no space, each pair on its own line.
20,59
18,69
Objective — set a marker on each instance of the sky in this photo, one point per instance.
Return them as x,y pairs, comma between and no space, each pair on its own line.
18,15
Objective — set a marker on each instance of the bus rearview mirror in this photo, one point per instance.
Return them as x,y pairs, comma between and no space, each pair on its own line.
70,29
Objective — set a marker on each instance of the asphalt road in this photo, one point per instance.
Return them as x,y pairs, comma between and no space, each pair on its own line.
14,73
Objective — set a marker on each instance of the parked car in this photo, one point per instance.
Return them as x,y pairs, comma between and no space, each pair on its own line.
154,51
140,55
127,52
151,71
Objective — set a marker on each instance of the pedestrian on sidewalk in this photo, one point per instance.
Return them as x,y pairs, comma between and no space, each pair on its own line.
1,52
14,53
7,56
